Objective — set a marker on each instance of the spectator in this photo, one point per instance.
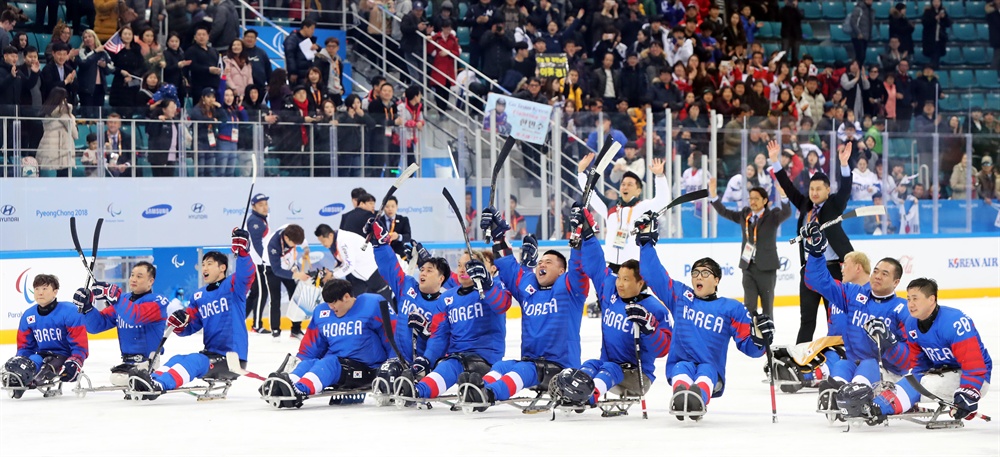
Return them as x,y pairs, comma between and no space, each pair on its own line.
854,82
323,134
812,166
866,183
679,48
292,135
106,18
926,87
260,63
354,122
166,139
144,100
791,28
295,60
398,225
533,92
207,114
176,63
410,118
603,128
495,47
518,227
960,175
935,36
8,19
88,156
735,187
383,112
521,68
859,26
151,51
632,162
749,23
873,225
92,63
900,28
987,180
926,123
128,70
332,68
205,73
479,18
993,21
413,27
238,70
229,134
894,53
225,24
117,147
734,35
443,49
11,87
316,91
56,151
60,73
61,34
904,98
632,81
177,17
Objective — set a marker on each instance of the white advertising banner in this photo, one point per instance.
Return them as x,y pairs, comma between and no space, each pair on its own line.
145,212
17,275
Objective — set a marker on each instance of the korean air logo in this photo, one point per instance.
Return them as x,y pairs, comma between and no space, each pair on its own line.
21,286
114,212
8,210
332,209
156,211
324,313
197,208
294,209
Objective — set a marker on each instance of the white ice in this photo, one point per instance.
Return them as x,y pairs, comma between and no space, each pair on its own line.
739,423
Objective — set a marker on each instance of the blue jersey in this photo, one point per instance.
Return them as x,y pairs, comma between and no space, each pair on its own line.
952,341
470,324
220,309
257,226
358,335
277,255
57,328
409,300
702,328
550,316
140,320
617,339
851,306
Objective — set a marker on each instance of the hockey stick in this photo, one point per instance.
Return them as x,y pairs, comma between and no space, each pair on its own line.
909,377
155,355
497,167
770,375
389,334
604,157
638,364
461,222
409,171
233,363
253,181
686,198
864,211
79,250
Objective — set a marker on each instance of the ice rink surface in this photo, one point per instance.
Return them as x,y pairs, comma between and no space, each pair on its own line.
739,423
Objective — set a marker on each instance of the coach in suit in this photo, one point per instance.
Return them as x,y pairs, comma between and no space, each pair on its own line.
399,226
759,258
818,206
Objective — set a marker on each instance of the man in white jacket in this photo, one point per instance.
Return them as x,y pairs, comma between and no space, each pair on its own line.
619,244
349,261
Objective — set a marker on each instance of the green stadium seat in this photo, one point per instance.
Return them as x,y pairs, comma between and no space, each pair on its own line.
41,41
807,31
900,148
871,57
915,8
992,101
811,10
918,32
987,79
970,100
837,34
834,11
79,171
770,48
881,32
462,9
464,36
881,10
918,57
952,56
840,55
75,41
962,79
950,103
764,32
964,32
975,55
944,79
955,9
983,32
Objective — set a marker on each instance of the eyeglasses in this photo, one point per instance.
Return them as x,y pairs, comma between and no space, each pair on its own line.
702,273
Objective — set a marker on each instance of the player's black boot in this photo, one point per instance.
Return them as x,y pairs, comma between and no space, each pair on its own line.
474,391
279,385
787,373
695,404
140,381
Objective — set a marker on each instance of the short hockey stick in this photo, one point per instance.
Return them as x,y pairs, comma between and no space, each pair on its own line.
604,158
79,249
864,211
686,198
461,222
770,375
389,334
154,357
409,171
497,168
926,393
233,363
638,364
253,181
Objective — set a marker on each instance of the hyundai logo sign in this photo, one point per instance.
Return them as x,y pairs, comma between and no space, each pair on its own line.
8,210
332,209
197,208
156,211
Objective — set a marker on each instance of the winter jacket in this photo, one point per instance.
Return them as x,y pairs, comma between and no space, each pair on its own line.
56,151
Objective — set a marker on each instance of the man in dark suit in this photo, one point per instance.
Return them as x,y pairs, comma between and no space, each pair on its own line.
60,72
354,220
759,259
399,226
820,207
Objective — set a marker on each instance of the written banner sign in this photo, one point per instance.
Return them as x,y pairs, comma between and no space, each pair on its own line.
524,120
552,65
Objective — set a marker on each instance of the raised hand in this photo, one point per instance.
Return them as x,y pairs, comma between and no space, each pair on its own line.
845,153
585,162
773,151
657,167
713,191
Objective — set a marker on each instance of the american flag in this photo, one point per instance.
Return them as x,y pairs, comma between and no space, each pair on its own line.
114,44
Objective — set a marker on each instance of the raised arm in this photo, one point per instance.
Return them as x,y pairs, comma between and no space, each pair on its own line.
846,179
796,197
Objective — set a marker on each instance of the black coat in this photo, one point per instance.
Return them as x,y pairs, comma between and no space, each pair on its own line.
935,33
10,90
295,60
349,136
354,220
400,225
766,230
900,27
993,20
200,77
496,50
123,95
832,208
51,80
904,107
160,135
174,74
924,89
791,22
260,64
88,70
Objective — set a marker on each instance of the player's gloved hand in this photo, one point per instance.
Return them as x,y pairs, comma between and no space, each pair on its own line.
377,232
638,315
476,270
46,375
879,333
107,292
71,369
762,333
420,367
418,322
813,240
84,300
241,242
414,248
492,220
529,252
178,320
966,402
648,226
580,220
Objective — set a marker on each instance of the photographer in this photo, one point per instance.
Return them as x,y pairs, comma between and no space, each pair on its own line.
413,26
497,46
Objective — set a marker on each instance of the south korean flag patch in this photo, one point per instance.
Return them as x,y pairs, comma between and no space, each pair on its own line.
412,293
324,313
913,334
689,295
448,300
31,319
862,298
529,289
197,295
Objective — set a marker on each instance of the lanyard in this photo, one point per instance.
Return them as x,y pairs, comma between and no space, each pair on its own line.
754,239
317,95
629,219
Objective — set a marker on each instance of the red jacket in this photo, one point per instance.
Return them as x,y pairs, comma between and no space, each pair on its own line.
444,62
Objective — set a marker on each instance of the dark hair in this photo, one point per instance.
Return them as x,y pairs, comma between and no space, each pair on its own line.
441,265
562,258
412,92
323,230
218,258
331,40
349,101
295,233
445,23
9,49
358,192
630,174
366,198
306,23
29,49
926,285
820,176
277,82
898,267
761,191
46,280
632,265
392,198
336,289
149,268
712,265
57,97
247,32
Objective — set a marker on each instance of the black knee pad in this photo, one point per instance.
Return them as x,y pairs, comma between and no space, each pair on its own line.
355,375
218,368
472,363
545,370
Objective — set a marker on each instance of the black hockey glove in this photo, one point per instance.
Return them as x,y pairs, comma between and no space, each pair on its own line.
581,219
649,228
420,367
813,239
71,369
877,331
491,220
107,292
638,315
418,322
966,402
379,234
763,332
83,300
529,252
414,248
178,320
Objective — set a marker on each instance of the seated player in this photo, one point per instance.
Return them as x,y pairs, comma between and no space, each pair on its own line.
852,307
417,299
344,345
623,306
551,299
703,325
952,362
139,316
219,310
51,341
470,330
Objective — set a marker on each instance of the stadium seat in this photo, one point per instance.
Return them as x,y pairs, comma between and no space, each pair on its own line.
944,79
775,29
964,32
881,32
955,9
462,9
764,32
992,101
466,57
79,171
881,10
987,79
75,41
952,56
975,55
770,48
30,10
918,33
837,34
962,79
918,57
970,100
464,36
900,148
834,11
807,31
824,55
811,10
41,41
950,103
871,57
840,55
983,32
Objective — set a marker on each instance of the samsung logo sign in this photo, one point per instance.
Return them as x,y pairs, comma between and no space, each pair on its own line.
156,211
332,209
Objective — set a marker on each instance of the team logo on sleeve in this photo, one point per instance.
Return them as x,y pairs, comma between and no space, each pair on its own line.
913,334
31,319
412,293
862,298
324,313
529,289
448,300
197,295
689,295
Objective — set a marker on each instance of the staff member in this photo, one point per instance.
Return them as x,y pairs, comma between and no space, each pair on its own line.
399,226
759,258
817,207
257,226
279,269
349,260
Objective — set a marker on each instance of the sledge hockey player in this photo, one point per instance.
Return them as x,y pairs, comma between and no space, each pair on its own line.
552,299
417,299
623,305
344,346
218,310
853,310
469,329
951,361
703,325
51,343
140,317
